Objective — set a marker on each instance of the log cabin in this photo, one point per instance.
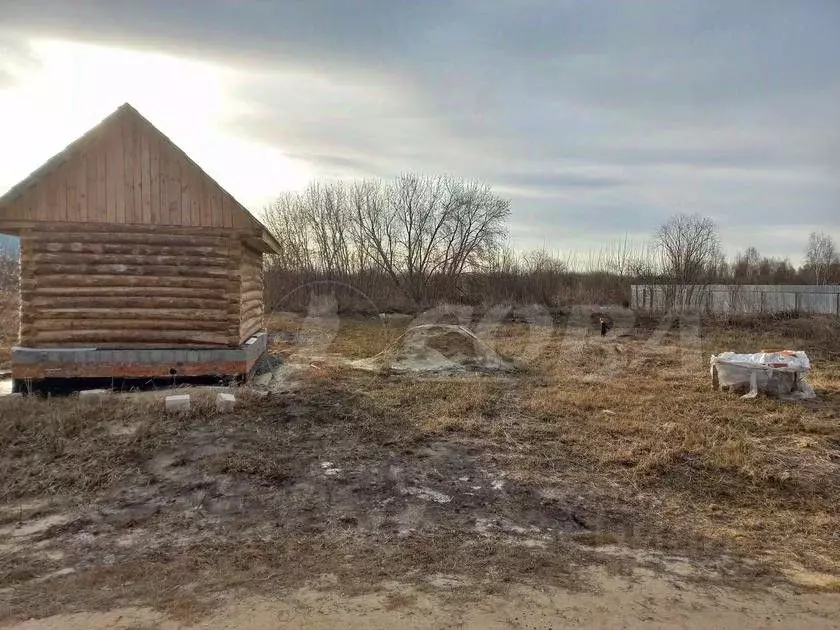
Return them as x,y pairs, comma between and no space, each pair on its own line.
134,262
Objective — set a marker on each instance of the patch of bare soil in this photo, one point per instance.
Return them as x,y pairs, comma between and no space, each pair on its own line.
293,487
614,602
458,490
296,486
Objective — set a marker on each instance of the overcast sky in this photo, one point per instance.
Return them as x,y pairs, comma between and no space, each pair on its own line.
597,119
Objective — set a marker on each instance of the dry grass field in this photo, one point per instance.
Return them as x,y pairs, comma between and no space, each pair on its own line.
609,452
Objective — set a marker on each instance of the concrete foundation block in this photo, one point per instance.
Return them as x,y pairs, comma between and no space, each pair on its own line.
92,394
177,403
225,402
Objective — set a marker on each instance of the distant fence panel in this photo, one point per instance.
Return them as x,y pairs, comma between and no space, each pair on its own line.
743,299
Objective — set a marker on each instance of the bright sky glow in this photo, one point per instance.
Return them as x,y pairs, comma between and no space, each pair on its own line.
597,119
70,87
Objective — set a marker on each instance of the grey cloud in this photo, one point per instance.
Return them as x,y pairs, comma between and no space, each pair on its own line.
15,59
597,118
554,181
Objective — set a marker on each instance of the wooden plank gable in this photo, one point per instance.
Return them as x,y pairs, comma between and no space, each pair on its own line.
126,172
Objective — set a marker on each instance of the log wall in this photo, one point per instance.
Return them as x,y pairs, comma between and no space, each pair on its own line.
133,286
251,292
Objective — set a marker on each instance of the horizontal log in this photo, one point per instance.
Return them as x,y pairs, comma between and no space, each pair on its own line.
73,258
250,309
57,325
75,280
98,337
133,291
50,228
250,317
119,302
159,237
251,320
135,270
132,249
249,285
251,296
125,313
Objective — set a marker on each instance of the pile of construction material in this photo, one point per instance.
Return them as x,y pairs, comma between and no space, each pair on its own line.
781,374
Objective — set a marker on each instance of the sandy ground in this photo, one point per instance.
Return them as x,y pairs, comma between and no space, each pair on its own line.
643,602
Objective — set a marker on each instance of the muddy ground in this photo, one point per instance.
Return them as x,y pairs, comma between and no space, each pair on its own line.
301,484
456,488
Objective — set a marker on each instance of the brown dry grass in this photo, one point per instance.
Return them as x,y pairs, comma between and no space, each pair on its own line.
65,446
355,338
703,469
642,457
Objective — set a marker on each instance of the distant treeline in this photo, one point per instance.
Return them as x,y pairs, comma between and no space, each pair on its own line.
417,241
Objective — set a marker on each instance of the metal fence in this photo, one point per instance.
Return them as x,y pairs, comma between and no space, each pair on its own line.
743,299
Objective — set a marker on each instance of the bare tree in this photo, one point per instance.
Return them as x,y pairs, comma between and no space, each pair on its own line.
312,227
9,296
690,253
821,258
288,220
374,228
746,265
431,227
414,230
689,247
9,275
749,267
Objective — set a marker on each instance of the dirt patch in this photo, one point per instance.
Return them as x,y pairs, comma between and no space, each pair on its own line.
615,602
464,487
300,480
437,348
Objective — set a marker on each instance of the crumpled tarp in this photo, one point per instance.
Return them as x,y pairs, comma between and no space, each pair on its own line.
780,374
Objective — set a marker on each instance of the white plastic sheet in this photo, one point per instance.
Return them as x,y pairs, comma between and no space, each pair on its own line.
780,374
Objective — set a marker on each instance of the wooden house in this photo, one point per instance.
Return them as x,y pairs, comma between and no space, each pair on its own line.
134,262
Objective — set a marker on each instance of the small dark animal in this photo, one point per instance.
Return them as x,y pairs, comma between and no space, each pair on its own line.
605,322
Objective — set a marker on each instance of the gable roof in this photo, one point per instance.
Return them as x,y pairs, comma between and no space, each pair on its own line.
126,115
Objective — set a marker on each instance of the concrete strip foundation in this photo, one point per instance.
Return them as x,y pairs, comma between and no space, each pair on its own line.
78,363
